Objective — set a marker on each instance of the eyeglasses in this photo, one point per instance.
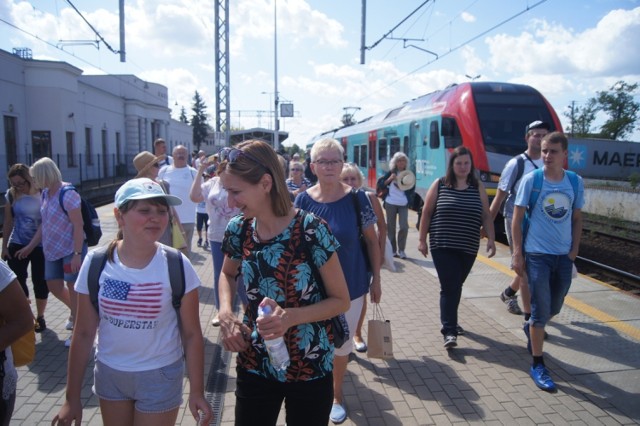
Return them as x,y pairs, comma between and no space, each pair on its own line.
296,170
231,155
328,163
19,185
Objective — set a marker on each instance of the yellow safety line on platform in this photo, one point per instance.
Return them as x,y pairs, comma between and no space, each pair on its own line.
578,305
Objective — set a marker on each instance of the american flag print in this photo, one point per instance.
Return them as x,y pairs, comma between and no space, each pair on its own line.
126,300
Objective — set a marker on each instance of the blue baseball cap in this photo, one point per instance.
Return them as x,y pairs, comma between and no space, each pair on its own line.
143,189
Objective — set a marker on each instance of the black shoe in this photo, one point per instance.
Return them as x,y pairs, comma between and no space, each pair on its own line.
450,341
40,325
459,330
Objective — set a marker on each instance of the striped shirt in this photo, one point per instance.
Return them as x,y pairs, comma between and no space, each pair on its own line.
456,221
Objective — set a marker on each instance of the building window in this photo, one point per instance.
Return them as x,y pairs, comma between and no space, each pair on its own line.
118,149
88,152
71,150
41,144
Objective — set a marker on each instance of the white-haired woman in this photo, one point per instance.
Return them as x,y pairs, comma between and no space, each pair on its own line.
333,201
396,204
352,176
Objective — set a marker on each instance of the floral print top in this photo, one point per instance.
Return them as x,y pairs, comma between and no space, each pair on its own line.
280,269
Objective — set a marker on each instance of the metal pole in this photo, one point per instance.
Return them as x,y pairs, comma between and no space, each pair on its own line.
276,127
122,52
363,31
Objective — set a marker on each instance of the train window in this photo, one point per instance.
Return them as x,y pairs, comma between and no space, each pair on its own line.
356,153
382,151
451,133
395,146
434,135
363,156
405,145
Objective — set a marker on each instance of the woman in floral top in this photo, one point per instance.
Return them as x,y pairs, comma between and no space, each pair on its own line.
280,251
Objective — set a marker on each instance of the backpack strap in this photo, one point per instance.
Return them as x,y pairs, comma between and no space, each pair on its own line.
573,178
98,261
538,178
176,276
63,190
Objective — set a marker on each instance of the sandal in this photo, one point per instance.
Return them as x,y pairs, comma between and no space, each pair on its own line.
40,325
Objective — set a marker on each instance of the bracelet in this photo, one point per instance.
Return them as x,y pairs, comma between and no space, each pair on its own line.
77,253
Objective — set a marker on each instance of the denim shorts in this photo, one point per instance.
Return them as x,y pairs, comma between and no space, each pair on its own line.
549,281
154,391
58,269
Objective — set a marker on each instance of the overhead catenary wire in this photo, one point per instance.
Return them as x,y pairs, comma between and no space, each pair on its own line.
92,28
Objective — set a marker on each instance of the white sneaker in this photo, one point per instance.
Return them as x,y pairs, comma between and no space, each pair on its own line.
67,343
402,254
69,325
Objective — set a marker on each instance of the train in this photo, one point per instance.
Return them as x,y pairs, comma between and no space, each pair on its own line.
489,118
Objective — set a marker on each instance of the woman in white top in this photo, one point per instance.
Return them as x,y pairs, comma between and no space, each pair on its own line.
144,341
16,321
220,214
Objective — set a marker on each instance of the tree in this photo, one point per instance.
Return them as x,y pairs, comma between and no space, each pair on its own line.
582,118
183,115
199,120
622,110
294,149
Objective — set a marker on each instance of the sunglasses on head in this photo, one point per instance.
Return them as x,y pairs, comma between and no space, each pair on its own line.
231,155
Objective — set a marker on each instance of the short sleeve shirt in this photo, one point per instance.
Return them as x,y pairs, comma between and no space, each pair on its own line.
57,229
26,218
280,269
11,375
550,223
138,328
217,204
341,217
509,184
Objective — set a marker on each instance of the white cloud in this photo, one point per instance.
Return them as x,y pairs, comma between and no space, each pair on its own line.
610,48
467,17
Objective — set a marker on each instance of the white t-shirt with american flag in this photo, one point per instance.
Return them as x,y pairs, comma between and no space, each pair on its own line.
138,327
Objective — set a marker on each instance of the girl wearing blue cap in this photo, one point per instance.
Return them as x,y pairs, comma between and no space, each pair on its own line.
144,341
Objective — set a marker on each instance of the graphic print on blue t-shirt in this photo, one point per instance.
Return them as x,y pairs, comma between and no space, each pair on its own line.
556,205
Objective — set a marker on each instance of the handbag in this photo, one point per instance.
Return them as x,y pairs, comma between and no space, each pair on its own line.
379,341
177,237
24,349
388,257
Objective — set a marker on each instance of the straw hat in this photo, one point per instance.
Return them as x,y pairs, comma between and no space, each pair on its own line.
144,161
405,180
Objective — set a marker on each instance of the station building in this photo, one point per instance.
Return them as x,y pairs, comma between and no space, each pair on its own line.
91,125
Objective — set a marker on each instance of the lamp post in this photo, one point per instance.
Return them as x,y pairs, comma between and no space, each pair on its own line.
269,107
276,127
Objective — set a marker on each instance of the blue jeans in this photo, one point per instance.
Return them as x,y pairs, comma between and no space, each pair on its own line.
453,267
549,282
218,259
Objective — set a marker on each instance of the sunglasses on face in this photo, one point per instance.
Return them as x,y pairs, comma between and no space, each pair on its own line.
231,155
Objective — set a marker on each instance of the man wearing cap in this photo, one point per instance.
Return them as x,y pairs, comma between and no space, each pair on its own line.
513,172
180,177
160,150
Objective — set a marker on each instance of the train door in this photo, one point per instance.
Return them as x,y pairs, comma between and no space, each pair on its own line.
432,165
372,166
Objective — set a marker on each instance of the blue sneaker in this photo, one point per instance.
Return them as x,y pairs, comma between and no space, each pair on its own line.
525,328
541,378
338,413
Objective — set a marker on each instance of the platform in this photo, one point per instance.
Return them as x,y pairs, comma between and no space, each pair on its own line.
593,353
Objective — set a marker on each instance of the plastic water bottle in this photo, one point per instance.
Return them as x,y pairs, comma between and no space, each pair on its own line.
277,349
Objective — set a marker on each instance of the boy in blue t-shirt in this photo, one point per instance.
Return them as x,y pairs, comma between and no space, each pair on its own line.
550,247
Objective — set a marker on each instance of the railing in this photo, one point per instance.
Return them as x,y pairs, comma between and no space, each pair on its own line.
98,169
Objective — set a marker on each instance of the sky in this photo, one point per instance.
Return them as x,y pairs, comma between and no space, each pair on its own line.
567,49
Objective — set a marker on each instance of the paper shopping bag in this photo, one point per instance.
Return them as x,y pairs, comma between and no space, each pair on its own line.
379,341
